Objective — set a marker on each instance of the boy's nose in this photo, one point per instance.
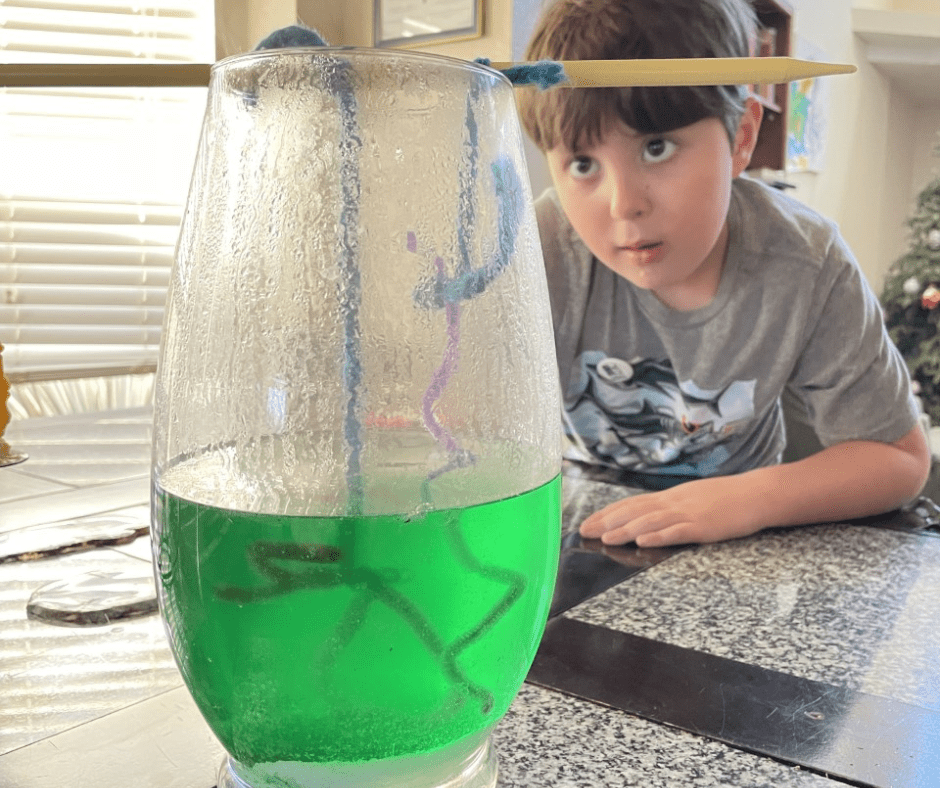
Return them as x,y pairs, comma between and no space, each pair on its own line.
629,198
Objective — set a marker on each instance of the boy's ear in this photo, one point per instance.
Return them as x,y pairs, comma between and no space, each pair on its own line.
746,138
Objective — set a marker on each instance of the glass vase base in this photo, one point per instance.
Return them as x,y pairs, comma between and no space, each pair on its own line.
461,765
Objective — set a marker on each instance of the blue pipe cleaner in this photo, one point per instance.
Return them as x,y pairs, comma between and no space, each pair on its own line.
350,151
471,282
544,74
292,36
351,285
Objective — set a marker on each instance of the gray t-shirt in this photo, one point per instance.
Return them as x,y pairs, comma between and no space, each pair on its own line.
653,390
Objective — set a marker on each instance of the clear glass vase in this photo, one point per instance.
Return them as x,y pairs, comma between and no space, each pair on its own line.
356,490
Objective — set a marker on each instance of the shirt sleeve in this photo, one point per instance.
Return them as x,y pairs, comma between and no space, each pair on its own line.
850,377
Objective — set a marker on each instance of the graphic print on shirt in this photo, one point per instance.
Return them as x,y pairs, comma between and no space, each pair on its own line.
638,416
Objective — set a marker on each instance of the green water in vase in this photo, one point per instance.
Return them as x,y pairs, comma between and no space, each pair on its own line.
355,639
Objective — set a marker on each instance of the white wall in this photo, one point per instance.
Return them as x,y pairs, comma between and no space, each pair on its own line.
879,141
849,188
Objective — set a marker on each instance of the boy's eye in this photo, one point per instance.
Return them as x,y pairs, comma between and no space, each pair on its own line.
582,167
658,149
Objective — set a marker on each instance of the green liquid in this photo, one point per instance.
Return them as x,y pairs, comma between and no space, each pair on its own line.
355,638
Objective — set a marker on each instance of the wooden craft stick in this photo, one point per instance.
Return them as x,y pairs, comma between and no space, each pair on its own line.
112,75
581,73
692,71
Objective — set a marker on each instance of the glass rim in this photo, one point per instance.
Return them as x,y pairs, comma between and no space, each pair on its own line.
358,53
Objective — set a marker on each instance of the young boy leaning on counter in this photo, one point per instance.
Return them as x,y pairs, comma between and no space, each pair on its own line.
686,297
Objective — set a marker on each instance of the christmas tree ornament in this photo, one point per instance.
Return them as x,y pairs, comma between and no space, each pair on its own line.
912,286
930,298
933,238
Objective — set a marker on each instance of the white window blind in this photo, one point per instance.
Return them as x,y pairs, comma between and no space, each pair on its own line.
93,183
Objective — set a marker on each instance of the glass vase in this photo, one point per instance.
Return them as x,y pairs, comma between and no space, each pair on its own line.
356,489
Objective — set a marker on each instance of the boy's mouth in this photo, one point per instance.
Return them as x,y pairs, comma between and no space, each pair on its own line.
644,254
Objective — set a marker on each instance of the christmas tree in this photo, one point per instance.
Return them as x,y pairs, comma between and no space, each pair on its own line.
911,299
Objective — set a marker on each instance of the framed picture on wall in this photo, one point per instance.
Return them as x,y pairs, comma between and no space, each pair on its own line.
404,23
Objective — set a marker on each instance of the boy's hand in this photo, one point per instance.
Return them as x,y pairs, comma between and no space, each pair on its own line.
847,480
705,510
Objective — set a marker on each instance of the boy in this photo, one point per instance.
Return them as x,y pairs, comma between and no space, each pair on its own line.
686,299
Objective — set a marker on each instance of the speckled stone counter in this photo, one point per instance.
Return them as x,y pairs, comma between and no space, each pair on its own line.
851,606
549,739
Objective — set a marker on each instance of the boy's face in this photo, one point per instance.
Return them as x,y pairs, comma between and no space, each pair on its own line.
653,207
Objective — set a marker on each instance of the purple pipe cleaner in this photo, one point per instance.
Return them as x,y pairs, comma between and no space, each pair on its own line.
447,368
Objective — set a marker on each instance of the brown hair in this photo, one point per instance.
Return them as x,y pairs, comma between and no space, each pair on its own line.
634,29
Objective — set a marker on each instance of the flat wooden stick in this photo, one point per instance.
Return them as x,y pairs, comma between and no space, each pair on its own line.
692,71
113,75
580,73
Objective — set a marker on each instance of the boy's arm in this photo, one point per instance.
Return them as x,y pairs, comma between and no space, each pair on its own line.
845,481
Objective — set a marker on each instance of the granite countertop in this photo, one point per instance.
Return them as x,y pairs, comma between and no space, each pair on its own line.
838,613
850,606
550,739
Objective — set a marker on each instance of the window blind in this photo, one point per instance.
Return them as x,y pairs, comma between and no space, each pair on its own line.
92,184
